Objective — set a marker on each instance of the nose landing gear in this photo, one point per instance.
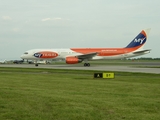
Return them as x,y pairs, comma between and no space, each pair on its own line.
36,64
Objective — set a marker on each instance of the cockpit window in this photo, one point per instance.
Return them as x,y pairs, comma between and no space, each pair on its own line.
26,53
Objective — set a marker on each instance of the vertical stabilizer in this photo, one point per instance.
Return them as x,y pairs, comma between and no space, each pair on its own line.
140,39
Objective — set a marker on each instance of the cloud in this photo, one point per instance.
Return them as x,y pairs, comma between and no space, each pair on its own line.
6,18
46,19
53,19
16,29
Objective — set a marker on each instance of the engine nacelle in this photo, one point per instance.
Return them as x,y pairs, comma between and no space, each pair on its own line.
72,60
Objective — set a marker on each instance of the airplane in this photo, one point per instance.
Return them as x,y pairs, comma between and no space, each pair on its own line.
18,61
3,61
78,55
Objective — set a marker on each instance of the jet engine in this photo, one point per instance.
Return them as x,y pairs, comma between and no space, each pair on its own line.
72,60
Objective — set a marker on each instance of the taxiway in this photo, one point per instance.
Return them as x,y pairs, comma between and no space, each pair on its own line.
124,68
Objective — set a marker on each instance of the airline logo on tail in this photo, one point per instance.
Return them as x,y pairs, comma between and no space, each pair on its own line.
139,40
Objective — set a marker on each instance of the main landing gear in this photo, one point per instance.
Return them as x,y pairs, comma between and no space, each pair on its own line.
86,64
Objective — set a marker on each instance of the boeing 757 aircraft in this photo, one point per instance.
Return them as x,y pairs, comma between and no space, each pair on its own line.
78,55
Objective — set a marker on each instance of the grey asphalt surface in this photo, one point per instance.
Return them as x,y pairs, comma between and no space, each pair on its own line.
124,68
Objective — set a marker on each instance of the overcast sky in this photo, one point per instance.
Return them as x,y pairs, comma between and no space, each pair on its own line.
30,24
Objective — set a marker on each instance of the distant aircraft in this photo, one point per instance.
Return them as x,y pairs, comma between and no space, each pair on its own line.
3,61
77,55
18,61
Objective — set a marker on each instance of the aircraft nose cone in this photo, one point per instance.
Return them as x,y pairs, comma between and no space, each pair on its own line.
22,56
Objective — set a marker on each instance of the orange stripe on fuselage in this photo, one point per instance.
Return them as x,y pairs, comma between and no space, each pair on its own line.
105,51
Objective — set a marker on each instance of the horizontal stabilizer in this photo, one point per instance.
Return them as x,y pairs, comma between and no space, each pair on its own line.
142,51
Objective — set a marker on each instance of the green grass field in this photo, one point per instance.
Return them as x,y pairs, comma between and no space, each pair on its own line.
50,94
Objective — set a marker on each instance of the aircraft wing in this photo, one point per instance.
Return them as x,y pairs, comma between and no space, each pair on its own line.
142,51
87,56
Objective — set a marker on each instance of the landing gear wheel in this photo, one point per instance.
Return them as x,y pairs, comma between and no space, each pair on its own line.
36,65
86,64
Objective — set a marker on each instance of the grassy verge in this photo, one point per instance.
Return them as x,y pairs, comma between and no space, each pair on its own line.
49,94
